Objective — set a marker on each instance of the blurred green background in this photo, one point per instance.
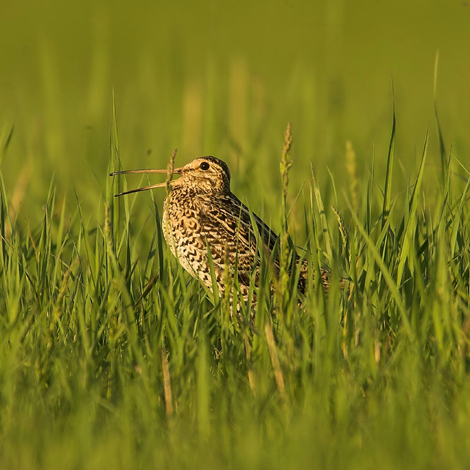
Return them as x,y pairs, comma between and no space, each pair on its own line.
224,78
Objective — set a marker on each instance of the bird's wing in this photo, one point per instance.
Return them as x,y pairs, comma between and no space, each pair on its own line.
226,226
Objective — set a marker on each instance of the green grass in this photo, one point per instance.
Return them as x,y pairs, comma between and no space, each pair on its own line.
111,356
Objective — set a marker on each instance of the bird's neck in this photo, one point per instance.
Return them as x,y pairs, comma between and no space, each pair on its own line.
188,193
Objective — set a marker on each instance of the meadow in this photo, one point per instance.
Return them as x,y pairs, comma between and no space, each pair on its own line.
111,356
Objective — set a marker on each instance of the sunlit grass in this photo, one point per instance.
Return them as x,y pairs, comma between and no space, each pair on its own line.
112,356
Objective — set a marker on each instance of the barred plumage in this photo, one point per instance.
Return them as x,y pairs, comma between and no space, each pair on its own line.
201,213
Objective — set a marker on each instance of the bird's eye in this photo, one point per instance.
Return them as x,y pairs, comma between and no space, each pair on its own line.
204,166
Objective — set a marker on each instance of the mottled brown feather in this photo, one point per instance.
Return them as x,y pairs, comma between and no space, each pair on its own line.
201,213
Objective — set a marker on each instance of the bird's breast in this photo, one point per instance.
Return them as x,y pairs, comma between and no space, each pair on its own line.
181,221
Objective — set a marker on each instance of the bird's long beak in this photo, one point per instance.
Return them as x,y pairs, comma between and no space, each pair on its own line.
176,171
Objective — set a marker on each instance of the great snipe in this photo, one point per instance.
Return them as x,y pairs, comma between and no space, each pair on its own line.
201,213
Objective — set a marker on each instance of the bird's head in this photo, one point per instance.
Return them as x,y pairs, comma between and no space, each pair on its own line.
203,175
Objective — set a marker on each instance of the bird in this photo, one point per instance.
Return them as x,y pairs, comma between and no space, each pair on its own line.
208,228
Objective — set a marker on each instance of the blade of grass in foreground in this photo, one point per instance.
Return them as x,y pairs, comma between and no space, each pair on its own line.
442,148
5,140
385,272
323,221
388,176
411,222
